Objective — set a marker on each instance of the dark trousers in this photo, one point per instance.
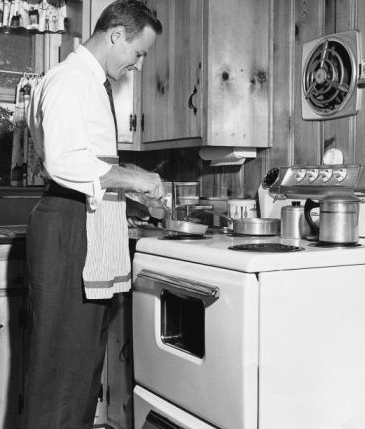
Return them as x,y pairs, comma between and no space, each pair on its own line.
68,333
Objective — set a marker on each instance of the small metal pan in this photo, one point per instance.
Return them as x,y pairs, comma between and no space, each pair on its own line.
252,226
184,227
256,226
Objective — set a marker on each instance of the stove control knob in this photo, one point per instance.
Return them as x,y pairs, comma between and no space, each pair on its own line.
325,175
340,174
299,175
312,174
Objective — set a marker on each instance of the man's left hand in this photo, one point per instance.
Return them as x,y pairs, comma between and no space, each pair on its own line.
137,213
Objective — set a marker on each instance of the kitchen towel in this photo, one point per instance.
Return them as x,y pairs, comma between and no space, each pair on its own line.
107,267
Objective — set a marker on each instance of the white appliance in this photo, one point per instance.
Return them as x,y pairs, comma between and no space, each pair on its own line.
244,332
249,339
332,72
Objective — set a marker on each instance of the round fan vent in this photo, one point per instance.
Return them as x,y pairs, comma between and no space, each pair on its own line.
328,78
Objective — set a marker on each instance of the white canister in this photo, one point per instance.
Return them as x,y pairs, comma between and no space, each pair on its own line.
242,208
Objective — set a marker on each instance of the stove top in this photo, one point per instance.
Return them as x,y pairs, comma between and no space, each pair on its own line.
217,251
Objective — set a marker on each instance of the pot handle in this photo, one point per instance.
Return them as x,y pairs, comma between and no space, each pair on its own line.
308,206
224,216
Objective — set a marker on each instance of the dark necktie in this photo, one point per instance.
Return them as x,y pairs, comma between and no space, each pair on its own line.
109,91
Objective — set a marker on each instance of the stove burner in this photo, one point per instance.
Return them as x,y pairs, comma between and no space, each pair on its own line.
334,245
184,237
237,234
266,247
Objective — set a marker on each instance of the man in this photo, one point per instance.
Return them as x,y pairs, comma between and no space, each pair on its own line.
77,240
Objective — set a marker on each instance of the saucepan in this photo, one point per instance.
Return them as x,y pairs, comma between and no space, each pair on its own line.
179,226
184,227
253,225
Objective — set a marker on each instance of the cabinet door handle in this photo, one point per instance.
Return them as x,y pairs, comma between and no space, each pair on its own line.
190,102
132,122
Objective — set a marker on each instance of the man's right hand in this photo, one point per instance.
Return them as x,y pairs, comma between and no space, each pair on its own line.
134,180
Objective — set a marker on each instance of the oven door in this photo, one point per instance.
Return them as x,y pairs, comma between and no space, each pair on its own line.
195,338
152,412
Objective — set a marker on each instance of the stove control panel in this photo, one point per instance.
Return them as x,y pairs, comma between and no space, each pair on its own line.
319,180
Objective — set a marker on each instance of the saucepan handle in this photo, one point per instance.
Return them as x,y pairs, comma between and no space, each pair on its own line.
308,206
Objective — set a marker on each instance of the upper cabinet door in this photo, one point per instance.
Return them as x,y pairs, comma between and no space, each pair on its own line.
237,52
172,84
125,101
205,81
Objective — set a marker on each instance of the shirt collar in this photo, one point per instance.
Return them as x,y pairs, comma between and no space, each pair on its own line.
92,62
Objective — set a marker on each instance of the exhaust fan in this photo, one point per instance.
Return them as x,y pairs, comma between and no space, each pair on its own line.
331,70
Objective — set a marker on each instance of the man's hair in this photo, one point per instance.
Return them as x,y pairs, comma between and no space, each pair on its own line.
133,15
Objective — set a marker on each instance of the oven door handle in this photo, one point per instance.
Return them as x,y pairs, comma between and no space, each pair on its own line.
182,285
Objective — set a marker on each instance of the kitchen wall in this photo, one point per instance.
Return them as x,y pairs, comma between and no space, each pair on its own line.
293,140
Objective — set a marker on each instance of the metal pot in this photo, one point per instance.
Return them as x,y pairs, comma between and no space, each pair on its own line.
252,226
338,219
256,226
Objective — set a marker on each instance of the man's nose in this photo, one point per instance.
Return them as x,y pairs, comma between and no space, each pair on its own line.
139,63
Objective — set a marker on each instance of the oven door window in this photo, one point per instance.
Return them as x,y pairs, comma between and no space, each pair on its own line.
156,421
182,323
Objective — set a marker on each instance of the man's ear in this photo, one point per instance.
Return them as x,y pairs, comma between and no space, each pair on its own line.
118,34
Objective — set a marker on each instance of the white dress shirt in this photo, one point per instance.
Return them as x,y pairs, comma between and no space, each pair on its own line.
71,123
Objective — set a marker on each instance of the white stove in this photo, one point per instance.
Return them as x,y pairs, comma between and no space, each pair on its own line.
235,339
215,250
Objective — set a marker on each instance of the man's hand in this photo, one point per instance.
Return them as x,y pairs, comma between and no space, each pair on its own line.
134,179
137,213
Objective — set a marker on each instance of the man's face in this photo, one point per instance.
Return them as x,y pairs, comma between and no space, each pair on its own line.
128,55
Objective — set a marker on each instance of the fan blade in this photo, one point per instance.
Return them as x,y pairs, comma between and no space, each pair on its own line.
324,52
310,89
340,87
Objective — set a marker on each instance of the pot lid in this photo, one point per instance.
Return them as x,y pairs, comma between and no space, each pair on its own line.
342,198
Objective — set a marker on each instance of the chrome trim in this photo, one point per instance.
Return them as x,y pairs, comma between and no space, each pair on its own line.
182,285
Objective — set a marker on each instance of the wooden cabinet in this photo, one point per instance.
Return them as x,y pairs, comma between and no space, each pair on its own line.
172,76
205,81
13,302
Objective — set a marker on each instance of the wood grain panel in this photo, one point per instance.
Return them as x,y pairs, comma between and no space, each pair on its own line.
307,134
283,35
171,72
238,73
359,149
340,133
